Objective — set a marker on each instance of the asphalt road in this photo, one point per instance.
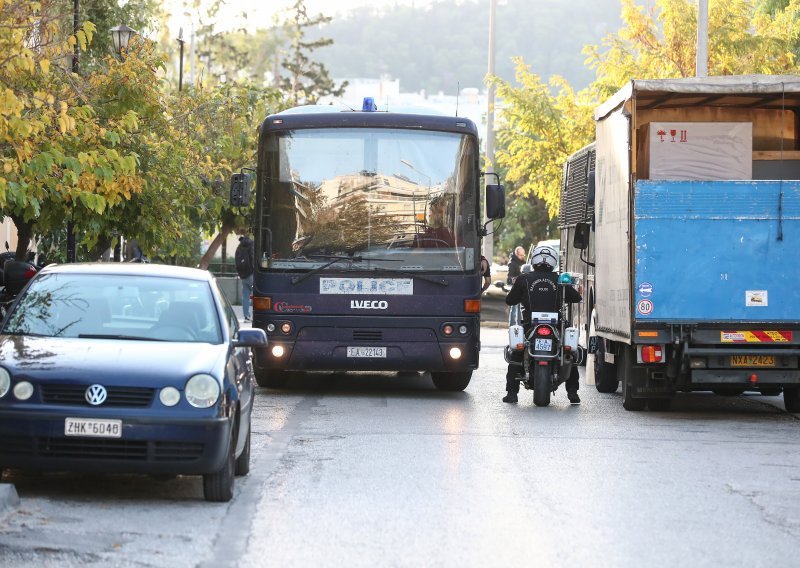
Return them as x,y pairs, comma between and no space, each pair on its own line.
382,469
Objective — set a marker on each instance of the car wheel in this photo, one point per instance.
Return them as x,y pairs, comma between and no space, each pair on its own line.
629,376
791,399
218,486
451,381
243,461
271,378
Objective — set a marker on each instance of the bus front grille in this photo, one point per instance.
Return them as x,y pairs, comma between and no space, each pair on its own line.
368,335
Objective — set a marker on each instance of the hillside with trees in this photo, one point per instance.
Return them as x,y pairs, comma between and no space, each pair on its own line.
443,45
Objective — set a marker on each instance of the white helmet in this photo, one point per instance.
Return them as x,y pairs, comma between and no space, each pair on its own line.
544,256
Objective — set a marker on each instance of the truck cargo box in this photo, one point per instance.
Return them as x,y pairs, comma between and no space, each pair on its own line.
695,151
717,251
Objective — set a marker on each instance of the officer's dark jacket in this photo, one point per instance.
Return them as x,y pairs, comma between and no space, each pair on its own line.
538,291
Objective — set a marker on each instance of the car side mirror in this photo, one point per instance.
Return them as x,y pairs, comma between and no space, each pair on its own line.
590,189
251,337
495,201
581,239
240,190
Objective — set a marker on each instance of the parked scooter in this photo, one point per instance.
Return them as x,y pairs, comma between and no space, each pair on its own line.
550,349
13,277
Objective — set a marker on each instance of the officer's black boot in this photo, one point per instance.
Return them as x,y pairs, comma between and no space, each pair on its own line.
512,386
572,387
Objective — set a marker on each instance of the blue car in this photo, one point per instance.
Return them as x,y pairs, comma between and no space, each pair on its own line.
132,368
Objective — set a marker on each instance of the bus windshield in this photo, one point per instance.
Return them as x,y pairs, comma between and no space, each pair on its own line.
398,198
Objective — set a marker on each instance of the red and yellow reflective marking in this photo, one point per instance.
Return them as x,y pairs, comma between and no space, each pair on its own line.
755,336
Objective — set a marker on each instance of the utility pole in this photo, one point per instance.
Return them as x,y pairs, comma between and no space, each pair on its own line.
488,241
71,255
701,67
180,65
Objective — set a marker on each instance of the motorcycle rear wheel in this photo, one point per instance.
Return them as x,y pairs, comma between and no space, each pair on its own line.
542,384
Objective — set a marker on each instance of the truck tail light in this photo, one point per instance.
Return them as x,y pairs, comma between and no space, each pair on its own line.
652,353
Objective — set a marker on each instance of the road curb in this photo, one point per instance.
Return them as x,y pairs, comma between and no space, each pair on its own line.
8,496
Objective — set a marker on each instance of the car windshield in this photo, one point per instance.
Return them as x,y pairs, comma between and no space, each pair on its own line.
399,199
116,307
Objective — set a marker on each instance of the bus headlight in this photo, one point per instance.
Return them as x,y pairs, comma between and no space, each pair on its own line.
277,351
455,353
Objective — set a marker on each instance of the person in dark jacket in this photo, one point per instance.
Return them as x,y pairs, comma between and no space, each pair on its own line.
245,266
515,264
486,274
538,291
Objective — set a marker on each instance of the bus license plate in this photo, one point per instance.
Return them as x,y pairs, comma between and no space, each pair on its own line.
95,428
366,352
543,344
752,361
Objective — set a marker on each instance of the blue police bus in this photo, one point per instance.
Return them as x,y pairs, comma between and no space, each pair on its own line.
368,233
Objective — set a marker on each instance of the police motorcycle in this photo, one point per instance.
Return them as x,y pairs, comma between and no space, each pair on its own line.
550,350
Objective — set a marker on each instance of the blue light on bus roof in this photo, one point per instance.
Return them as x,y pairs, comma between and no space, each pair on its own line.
369,105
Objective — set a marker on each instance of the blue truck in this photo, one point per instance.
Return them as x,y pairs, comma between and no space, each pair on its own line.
681,224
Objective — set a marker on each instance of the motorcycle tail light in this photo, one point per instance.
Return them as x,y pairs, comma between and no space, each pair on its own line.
544,331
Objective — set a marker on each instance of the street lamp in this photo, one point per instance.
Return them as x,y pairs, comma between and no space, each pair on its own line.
121,37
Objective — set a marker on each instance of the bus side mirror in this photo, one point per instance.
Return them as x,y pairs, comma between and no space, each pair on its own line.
581,239
240,190
495,202
590,189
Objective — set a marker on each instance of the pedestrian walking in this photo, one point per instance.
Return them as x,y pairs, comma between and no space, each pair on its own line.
245,265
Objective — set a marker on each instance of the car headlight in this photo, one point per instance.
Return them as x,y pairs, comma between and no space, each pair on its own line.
5,382
169,396
202,391
23,390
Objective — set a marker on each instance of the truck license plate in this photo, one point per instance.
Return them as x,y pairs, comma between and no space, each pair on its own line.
542,344
95,428
752,361
366,352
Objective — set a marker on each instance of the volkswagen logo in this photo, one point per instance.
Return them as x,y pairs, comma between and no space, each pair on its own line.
96,395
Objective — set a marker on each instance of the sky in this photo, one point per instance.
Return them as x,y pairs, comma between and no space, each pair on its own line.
260,14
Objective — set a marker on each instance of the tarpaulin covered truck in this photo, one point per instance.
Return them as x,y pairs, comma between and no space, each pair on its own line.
682,224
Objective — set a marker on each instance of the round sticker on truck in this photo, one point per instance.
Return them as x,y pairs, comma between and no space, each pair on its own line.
644,307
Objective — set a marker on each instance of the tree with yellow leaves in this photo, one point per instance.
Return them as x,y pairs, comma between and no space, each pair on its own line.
543,123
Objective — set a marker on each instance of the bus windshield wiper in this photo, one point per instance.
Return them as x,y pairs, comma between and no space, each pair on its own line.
439,281
333,260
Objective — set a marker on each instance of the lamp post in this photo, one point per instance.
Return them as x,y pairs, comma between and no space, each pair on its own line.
121,36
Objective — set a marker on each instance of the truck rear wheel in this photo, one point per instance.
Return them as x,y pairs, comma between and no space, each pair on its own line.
451,381
630,377
791,399
542,384
605,373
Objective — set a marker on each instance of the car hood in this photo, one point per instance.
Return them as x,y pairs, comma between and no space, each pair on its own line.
128,361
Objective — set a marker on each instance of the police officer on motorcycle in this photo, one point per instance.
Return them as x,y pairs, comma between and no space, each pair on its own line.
538,291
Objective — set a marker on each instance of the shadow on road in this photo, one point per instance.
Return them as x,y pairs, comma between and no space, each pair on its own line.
409,384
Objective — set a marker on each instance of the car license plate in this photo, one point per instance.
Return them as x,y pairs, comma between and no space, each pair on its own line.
92,427
366,351
543,344
752,361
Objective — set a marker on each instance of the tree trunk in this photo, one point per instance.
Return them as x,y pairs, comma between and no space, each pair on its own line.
24,236
227,227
